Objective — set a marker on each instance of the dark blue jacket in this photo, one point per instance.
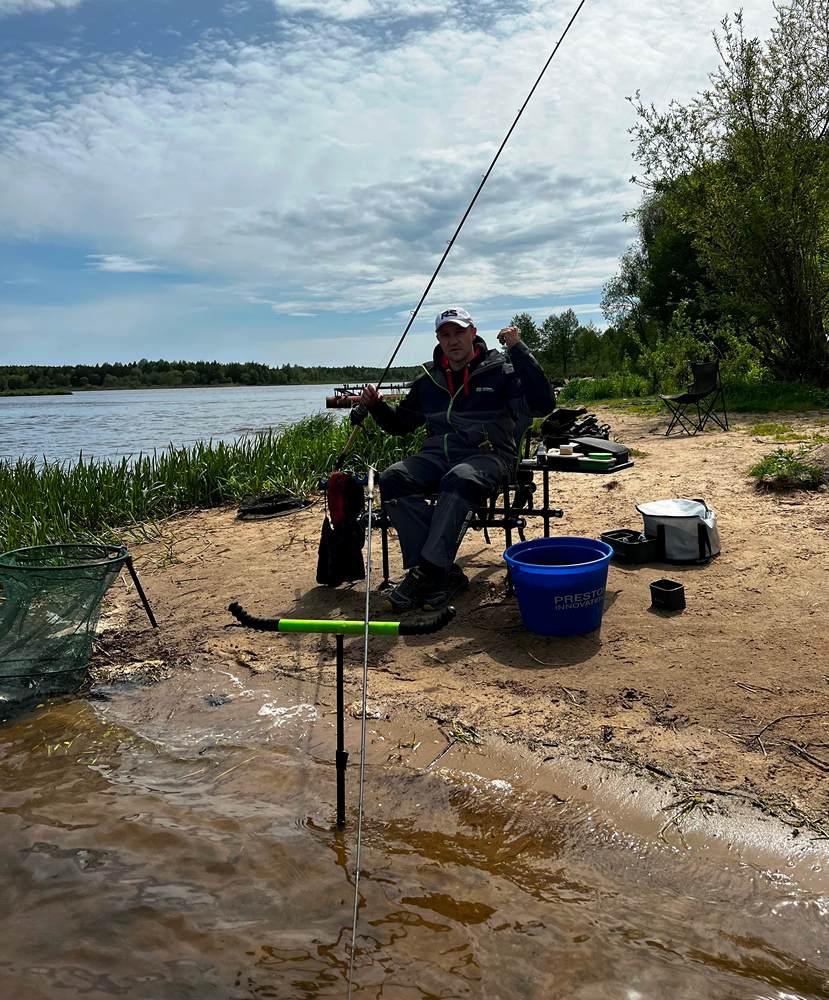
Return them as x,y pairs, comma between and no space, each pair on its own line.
505,392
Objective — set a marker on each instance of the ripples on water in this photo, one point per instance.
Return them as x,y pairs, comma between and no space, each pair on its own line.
112,424
176,842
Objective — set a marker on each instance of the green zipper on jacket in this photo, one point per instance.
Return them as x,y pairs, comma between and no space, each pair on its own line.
452,398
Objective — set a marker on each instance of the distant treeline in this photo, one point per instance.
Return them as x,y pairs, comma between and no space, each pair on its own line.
16,379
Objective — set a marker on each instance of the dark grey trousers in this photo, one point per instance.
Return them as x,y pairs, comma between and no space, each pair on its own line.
435,532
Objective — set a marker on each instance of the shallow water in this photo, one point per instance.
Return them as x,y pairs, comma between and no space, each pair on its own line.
116,423
176,841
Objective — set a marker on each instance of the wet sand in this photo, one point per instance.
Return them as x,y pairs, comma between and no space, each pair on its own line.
724,707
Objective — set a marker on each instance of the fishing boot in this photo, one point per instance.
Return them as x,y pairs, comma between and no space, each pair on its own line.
442,590
427,587
410,593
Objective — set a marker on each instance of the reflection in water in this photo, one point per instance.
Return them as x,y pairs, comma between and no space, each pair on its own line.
169,844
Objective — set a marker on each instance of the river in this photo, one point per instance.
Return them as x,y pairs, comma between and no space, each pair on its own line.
175,841
112,424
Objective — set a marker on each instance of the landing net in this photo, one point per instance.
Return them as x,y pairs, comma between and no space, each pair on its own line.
50,601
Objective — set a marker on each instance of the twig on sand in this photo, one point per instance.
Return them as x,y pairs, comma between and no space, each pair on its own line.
775,809
780,718
659,771
817,762
569,694
683,808
756,687
192,774
240,764
748,738
751,796
543,663
461,732
443,752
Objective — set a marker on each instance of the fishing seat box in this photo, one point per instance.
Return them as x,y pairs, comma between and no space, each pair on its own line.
583,446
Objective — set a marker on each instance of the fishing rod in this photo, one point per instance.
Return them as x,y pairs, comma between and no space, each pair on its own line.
363,714
360,411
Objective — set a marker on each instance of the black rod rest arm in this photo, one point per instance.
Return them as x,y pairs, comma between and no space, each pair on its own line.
425,624
251,621
428,624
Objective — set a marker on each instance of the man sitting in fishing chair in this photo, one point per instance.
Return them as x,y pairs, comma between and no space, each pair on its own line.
471,399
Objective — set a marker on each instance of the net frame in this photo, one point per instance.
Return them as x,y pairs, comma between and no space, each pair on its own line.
49,615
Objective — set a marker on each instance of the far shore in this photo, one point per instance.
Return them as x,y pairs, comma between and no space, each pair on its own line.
125,388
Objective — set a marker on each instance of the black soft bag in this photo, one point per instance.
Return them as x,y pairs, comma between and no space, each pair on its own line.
343,535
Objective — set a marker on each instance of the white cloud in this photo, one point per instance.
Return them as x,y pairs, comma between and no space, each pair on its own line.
353,10
120,264
327,170
35,6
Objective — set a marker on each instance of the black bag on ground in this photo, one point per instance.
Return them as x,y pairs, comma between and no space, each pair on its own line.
342,538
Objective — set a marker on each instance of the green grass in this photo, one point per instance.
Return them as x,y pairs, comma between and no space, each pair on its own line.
784,433
590,390
770,397
771,429
104,501
632,393
786,469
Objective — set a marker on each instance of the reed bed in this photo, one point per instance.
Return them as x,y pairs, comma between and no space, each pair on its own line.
43,502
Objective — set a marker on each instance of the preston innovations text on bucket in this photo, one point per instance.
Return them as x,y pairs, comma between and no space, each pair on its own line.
560,583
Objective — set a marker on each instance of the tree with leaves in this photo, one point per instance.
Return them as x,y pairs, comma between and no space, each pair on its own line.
528,330
743,169
558,342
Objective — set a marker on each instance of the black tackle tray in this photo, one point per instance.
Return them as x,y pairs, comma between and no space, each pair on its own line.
631,546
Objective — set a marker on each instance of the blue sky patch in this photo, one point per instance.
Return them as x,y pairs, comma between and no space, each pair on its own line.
275,180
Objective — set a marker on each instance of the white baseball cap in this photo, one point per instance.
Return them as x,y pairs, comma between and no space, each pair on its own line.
454,314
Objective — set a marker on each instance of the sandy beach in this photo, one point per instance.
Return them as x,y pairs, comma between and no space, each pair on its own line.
725,704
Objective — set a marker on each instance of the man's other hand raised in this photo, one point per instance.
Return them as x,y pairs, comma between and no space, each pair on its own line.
509,336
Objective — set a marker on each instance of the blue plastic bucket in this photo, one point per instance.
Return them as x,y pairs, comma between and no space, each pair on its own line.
560,583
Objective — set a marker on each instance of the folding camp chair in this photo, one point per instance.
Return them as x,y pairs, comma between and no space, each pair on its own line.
507,508
705,393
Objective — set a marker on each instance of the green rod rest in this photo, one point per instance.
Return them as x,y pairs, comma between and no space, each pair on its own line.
423,625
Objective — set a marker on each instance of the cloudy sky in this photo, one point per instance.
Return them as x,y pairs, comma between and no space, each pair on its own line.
275,180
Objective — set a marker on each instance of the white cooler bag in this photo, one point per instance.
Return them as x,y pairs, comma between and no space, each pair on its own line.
686,530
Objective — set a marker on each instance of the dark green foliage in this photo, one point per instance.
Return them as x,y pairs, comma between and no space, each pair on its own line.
787,469
588,390
736,221
527,330
25,379
743,394
558,343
